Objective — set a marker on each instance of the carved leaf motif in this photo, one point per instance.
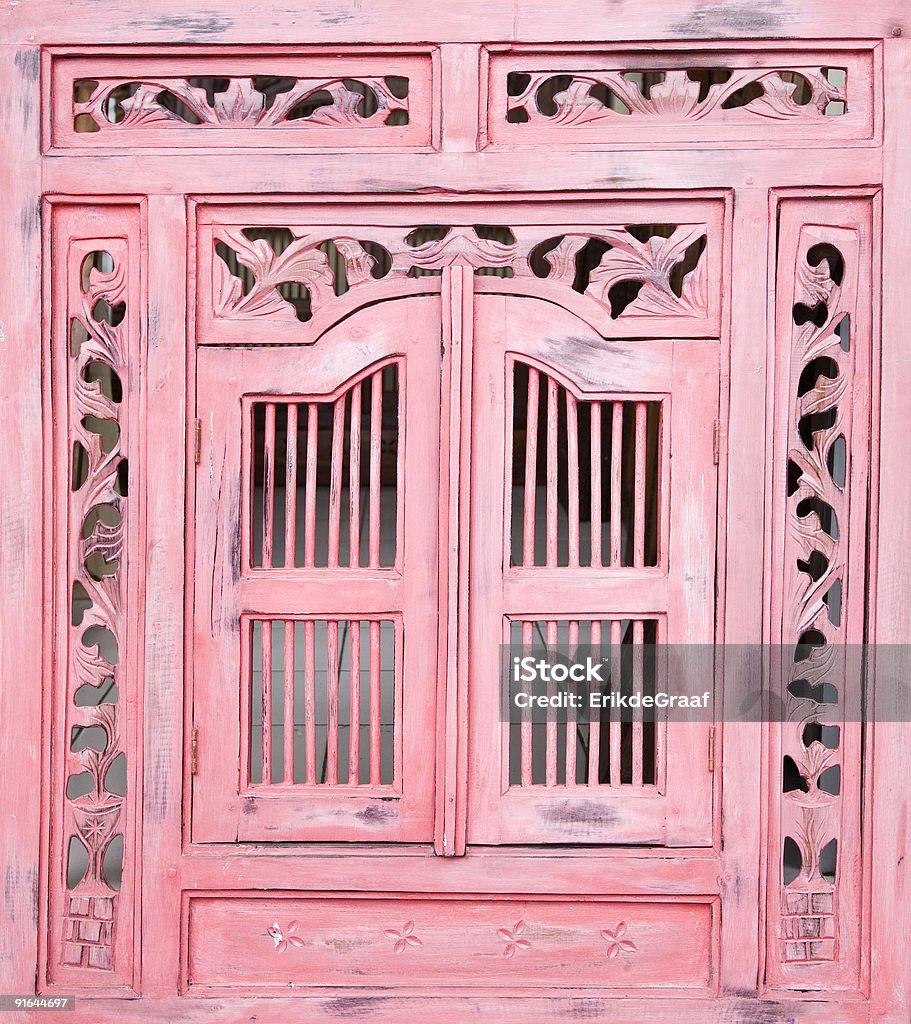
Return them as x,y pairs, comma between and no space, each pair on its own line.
458,246
141,110
106,540
358,262
823,396
302,262
91,400
651,263
344,109
562,258
676,97
576,105
240,104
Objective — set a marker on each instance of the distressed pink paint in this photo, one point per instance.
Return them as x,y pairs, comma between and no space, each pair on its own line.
464,292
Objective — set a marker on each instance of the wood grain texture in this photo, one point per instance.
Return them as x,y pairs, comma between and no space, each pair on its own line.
209,21
270,944
23,433
890,914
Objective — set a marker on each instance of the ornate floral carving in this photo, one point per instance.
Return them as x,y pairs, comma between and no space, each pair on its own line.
818,466
511,937
581,99
256,102
295,273
283,938
96,373
403,939
617,943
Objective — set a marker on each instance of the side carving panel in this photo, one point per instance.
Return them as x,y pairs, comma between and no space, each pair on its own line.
824,339
96,310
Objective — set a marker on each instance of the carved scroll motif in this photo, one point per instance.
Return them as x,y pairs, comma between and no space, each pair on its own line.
256,102
822,605
93,908
586,98
290,273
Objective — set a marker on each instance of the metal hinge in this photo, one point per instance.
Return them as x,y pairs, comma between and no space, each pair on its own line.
194,746
716,442
198,442
711,748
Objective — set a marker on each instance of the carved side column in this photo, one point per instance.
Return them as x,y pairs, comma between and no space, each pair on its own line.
823,346
96,574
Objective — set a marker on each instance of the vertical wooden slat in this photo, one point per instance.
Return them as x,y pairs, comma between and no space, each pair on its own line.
288,730
376,426
616,636
310,492
335,481
531,470
354,719
332,684
291,487
354,481
596,486
594,723
267,700
551,771
527,635
616,470
376,709
639,476
551,472
268,485
310,699
638,656
572,443
571,726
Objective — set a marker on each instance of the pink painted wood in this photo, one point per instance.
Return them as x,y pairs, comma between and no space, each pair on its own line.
198,423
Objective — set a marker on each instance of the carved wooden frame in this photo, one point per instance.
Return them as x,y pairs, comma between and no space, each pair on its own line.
21,603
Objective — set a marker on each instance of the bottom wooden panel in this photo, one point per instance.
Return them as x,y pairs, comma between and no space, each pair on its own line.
289,941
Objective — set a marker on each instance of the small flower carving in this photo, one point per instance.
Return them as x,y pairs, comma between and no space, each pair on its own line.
283,939
618,944
512,940
404,938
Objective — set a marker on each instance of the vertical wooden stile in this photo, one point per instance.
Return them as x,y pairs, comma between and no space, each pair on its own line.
616,480
291,486
269,486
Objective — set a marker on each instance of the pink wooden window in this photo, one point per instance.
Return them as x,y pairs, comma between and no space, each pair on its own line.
344,347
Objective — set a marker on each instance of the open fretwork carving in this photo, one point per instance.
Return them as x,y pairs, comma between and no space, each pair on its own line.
627,271
260,101
823,465
682,94
95,811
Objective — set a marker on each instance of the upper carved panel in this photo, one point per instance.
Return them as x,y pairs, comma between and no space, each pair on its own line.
673,96
646,268
339,100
